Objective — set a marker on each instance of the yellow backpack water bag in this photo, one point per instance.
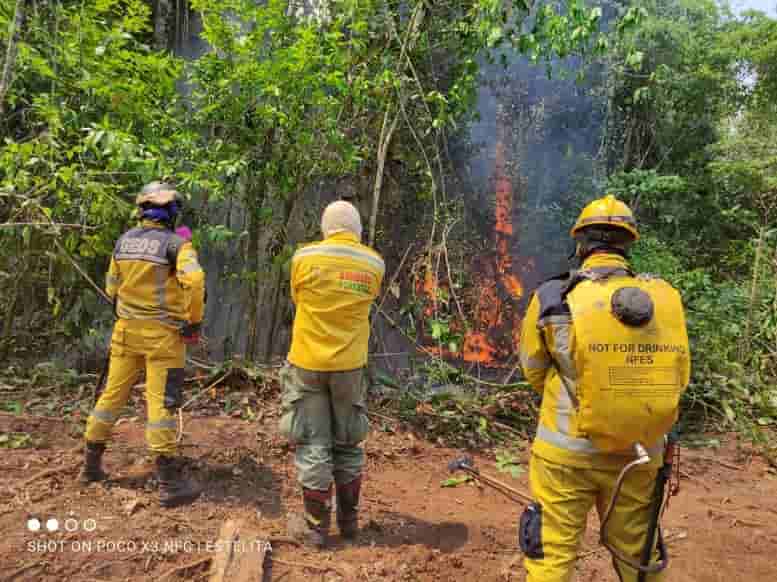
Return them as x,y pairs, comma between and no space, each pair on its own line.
632,358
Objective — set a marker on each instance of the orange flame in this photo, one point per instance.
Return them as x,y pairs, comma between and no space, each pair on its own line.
497,322
480,344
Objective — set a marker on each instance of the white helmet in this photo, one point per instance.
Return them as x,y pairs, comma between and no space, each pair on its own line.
341,216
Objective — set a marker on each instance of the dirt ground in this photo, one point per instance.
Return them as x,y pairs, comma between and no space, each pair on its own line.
722,526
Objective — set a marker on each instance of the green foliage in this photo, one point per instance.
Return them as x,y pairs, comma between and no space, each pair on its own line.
17,440
708,227
673,77
278,102
506,462
439,372
726,383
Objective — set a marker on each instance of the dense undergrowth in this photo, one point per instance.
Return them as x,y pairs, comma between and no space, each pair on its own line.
93,105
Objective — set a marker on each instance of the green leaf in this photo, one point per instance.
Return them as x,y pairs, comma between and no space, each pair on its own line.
634,59
507,463
456,481
729,411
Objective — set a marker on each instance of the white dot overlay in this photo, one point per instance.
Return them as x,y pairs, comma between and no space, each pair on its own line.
33,524
52,524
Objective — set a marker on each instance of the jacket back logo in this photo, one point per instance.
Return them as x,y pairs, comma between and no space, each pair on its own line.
355,281
143,246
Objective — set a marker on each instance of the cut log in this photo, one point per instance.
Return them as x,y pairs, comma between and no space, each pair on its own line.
240,554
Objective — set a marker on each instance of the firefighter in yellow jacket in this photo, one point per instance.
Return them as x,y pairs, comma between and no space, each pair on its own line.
608,352
157,286
333,284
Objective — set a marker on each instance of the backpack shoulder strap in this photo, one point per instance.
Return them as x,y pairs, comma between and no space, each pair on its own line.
174,244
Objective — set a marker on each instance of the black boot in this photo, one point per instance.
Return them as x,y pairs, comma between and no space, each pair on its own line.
348,508
318,516
174,489
93,456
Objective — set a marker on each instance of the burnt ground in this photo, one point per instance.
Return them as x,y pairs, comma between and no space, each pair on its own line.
722,526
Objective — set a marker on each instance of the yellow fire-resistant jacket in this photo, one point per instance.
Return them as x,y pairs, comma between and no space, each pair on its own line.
155,276
558,438
333,284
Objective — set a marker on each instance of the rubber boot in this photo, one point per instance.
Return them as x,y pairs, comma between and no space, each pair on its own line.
348,508
318,516
174,489
93,457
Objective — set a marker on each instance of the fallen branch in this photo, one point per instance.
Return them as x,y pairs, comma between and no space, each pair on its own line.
201,364
185,567
714,460
284,540
734,515
382,416
494,384
30,417
22,570
209,387
505,427
319,568
511,373
52,471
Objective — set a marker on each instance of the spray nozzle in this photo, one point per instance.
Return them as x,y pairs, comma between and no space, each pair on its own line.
641,452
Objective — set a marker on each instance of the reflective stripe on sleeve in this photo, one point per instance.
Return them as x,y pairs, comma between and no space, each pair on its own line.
533,363
554,320
190,268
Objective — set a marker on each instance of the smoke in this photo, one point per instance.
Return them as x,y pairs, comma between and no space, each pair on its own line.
551,130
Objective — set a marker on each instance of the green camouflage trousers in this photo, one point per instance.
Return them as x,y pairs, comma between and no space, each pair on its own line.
323,413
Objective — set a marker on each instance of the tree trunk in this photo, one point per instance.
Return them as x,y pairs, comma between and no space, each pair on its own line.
14,32
383,144
744,348
241,554
161,18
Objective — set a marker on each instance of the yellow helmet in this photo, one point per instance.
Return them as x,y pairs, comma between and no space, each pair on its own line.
607,211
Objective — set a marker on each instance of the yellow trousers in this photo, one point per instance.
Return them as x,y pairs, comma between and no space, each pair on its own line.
566,495
135,346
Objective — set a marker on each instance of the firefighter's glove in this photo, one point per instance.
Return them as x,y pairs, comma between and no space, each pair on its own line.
190,334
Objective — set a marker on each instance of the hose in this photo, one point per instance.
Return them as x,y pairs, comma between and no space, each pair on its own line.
643,566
